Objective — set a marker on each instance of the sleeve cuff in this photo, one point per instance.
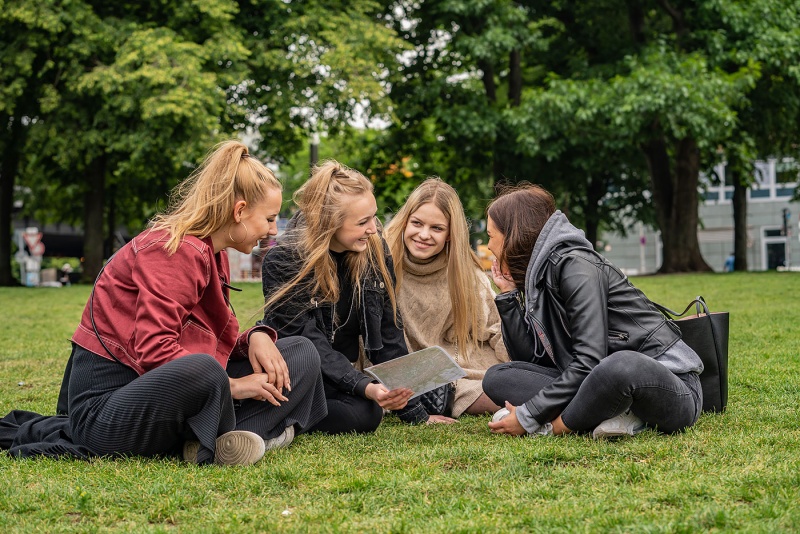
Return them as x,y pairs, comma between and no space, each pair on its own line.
527,421
361,387
508,295
240,350
271,332
413,413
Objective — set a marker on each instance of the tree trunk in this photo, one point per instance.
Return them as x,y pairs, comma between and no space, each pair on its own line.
108,248
8,175
595,190
515,78
488,81
94,208
739,223
676,204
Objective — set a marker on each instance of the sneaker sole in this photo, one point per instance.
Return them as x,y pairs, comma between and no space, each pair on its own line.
282,441
600,433
239,447
609,434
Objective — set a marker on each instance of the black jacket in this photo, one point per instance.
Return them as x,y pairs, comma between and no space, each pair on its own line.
302,314
586,310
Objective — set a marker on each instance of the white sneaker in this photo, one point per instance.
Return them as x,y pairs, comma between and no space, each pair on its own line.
282,441
625,424
237,447
499,414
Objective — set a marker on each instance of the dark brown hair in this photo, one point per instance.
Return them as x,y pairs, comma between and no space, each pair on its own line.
519,213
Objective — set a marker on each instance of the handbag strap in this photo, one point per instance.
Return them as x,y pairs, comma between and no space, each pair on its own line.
699,302
701,305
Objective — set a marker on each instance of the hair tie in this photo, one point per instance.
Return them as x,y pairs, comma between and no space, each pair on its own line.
245,155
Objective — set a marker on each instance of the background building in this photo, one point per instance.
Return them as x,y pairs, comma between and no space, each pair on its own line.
771,242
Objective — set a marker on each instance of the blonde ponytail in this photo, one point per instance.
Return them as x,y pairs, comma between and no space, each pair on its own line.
203,203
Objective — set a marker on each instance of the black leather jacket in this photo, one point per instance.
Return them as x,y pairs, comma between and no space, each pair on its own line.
586,310
302,314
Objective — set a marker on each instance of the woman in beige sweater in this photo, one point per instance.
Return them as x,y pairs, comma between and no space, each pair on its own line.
444,296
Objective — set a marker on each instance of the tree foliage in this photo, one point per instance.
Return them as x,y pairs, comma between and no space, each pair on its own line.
136,93
610,103
616,106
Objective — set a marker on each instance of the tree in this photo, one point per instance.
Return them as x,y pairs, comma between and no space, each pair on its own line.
655,87
767,34
29,36
144,89
131,101
461,102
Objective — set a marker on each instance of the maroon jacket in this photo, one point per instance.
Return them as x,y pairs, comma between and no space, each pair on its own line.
151,307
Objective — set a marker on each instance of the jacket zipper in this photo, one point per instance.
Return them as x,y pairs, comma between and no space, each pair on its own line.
548,347
622,336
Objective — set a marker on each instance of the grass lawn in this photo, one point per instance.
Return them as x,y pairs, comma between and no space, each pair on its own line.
738,471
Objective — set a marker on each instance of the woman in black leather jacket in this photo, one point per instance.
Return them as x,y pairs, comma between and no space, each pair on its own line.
330,279
589,351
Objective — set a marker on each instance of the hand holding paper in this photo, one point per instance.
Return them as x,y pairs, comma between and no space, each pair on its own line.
420,371
395,399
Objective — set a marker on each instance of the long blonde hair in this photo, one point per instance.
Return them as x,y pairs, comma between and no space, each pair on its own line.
462,264
203,203
323,202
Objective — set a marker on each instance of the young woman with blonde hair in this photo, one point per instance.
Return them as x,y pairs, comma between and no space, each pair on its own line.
158,365
445,297
329,279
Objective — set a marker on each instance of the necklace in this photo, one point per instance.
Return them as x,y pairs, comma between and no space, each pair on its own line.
335,328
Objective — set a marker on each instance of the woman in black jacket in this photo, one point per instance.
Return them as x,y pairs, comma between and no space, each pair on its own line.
330,279
590,352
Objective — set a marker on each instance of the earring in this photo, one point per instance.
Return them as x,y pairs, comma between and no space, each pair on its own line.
246,231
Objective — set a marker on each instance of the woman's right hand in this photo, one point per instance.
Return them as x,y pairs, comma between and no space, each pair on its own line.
501,280
395,399
256,386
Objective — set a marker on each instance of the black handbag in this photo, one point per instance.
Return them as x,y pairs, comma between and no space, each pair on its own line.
439,401
707,334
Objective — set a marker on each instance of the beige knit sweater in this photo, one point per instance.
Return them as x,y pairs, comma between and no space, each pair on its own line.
424,302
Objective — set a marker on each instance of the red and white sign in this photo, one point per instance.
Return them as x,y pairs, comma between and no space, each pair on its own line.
34,242
37,250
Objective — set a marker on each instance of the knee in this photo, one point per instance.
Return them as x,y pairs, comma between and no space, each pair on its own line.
369,418
301,356
621,364
493,382
203,371
356,415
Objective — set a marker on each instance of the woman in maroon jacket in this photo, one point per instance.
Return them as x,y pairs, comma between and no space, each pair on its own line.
158,365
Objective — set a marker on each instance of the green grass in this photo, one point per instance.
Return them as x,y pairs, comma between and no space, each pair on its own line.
738,471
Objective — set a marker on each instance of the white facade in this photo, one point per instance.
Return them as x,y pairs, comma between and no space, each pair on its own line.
767,247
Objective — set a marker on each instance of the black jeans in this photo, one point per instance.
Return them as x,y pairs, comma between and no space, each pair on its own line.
624,380
348,413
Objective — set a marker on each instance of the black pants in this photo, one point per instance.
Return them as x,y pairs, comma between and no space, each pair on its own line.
348,413
623,380
113,411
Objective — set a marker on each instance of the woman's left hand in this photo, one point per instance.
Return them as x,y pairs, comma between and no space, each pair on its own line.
440,419
256,387
501,279
266,358
508,424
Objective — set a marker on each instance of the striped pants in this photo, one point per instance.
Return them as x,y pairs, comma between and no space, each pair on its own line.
113,411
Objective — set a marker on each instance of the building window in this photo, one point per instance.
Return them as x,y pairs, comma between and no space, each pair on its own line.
787,171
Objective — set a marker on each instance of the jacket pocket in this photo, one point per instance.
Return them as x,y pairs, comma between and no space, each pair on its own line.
616,335
617,341
197,339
